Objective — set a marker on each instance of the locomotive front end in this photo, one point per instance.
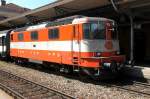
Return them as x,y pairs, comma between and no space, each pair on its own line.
101,46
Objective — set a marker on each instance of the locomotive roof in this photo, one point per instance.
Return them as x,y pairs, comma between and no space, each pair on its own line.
89,19
68,20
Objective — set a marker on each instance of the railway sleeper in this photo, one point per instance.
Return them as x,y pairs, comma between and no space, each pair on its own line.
30,90
35,94
24,90
49,95
44,96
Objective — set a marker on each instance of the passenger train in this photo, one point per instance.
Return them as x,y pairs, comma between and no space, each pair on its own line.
77,43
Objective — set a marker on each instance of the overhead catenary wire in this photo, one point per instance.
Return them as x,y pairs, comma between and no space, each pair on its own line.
114,6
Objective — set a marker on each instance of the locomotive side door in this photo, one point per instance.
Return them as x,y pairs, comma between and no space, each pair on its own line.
76,45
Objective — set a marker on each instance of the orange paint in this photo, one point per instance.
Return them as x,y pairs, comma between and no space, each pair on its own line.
66,33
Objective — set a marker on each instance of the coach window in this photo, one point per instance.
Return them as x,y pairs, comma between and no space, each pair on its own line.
53,33
34,35
20,36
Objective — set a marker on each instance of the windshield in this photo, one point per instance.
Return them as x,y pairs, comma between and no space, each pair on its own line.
94,30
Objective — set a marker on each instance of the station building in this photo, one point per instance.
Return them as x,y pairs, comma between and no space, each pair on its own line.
10,10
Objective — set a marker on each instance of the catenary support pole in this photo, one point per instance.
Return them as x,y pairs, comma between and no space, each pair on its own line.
131,30
131,39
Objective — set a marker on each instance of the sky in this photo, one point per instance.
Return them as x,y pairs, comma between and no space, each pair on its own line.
31,4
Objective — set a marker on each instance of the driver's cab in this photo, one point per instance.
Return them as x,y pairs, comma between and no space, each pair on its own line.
99,37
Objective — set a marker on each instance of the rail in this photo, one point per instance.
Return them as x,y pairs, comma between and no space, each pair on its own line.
21,88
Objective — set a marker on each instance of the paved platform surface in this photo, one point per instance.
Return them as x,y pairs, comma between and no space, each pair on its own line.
4,95
137,71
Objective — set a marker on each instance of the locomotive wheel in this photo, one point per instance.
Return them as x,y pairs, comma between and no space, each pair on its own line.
82,74
87,73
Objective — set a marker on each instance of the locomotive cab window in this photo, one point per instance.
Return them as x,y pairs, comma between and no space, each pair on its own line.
53,33
94,30
34,35
20,36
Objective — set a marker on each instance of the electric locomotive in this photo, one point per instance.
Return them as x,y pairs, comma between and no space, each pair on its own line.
77,43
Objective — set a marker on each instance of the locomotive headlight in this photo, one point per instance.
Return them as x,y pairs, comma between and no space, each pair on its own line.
118,52
106,65
98,54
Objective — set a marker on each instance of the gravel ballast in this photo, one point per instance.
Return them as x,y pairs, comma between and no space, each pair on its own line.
70,86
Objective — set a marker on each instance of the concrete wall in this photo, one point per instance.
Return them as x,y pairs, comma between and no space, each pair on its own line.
146,29
124,38
142,44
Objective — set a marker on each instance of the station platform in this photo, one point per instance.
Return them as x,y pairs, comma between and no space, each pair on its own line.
137,71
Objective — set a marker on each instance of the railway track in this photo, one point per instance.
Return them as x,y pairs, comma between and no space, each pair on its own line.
136,87
21,88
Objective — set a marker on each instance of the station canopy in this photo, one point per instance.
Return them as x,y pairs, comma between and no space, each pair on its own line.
64,7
